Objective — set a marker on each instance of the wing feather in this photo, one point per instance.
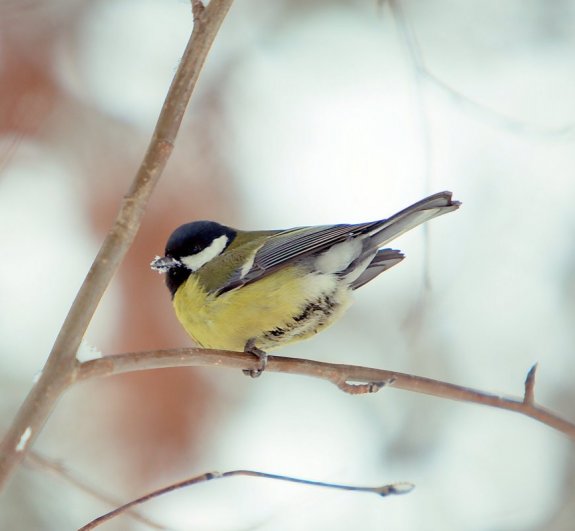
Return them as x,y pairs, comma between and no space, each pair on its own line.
290,245
293,244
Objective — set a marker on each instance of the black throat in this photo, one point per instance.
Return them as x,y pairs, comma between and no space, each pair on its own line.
176,277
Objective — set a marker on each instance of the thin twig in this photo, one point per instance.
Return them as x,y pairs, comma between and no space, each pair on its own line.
497,118
382,490
529,397
340,375
416,62
60,368
33,459
198,8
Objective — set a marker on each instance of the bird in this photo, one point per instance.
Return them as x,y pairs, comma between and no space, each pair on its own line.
255,291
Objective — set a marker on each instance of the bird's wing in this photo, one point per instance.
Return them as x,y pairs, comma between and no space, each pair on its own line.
293,244
290,245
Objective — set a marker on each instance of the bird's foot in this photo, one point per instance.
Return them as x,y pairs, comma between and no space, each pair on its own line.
258,353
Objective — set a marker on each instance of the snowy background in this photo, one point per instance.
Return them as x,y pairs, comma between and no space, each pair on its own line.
306,113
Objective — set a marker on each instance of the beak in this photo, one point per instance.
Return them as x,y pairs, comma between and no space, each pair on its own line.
162,264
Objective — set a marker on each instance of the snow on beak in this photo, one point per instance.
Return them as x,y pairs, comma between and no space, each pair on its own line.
162,264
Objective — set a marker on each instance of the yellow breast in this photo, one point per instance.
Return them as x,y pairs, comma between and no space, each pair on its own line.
281,308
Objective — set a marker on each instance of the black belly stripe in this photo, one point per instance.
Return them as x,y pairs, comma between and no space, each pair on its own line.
320,309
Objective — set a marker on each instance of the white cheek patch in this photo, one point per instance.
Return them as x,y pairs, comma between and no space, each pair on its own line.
338,257
194,261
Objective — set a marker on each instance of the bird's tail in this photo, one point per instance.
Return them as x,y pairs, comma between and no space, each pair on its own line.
412,216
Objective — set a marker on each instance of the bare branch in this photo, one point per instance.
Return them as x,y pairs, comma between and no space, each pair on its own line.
60,368
382,490
340,375
360,389
197,9
529,397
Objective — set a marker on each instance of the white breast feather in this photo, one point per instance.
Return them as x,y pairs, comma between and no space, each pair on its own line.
320,285
338,257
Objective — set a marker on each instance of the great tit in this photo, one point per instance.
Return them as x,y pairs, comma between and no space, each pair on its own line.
254,291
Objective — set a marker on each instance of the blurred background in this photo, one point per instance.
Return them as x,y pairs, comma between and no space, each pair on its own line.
306,112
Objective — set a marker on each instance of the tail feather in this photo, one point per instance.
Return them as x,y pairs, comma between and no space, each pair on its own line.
412,216
382,261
